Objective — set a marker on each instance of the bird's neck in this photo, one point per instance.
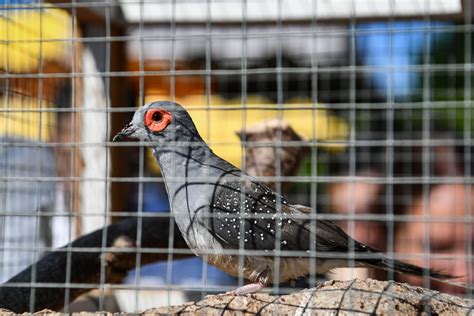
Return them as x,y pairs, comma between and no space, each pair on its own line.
182,164
176,156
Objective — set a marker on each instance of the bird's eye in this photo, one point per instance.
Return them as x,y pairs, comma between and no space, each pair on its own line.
156,120
156,117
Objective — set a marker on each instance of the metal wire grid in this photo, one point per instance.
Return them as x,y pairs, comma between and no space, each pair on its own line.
348,107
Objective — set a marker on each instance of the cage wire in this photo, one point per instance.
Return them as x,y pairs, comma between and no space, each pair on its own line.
361,111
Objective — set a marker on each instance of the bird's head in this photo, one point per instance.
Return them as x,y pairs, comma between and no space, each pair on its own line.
160,122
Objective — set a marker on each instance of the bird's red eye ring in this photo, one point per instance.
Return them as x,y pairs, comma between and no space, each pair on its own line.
157,119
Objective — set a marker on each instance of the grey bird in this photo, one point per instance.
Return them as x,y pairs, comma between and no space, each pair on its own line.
225,214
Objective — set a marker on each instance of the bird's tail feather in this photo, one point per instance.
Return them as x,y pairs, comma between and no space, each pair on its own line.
402,267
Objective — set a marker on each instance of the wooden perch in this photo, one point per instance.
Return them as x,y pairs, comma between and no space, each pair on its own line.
359,297
86,267
331,298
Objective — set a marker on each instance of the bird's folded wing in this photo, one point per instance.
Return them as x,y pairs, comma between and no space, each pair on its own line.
253,216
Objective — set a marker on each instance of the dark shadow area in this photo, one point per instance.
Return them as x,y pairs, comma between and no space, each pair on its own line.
88,259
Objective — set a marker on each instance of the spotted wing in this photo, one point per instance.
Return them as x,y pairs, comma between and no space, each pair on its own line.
252,215
245,214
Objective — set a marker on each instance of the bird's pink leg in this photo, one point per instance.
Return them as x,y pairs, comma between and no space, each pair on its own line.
260,283
247,289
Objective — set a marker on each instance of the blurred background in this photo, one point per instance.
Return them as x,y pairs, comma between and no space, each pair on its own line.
378,95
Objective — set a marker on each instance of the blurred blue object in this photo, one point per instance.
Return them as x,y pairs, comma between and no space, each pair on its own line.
11,2
395,45
22,237
155,198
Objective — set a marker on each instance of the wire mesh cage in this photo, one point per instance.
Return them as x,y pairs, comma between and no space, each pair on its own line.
359,110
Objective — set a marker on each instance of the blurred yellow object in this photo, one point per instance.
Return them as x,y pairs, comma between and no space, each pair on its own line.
220,120
33,41
29,37
18,122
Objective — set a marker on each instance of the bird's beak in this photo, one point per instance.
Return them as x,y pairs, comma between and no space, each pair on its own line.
125,133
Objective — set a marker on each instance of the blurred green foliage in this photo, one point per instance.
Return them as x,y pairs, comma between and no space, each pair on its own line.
450,81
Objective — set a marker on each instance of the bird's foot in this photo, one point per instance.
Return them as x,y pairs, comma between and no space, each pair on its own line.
247,289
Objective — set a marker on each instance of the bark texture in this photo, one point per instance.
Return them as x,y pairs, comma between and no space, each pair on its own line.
356,297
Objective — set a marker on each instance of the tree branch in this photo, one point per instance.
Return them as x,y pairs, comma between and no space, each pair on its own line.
331,298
